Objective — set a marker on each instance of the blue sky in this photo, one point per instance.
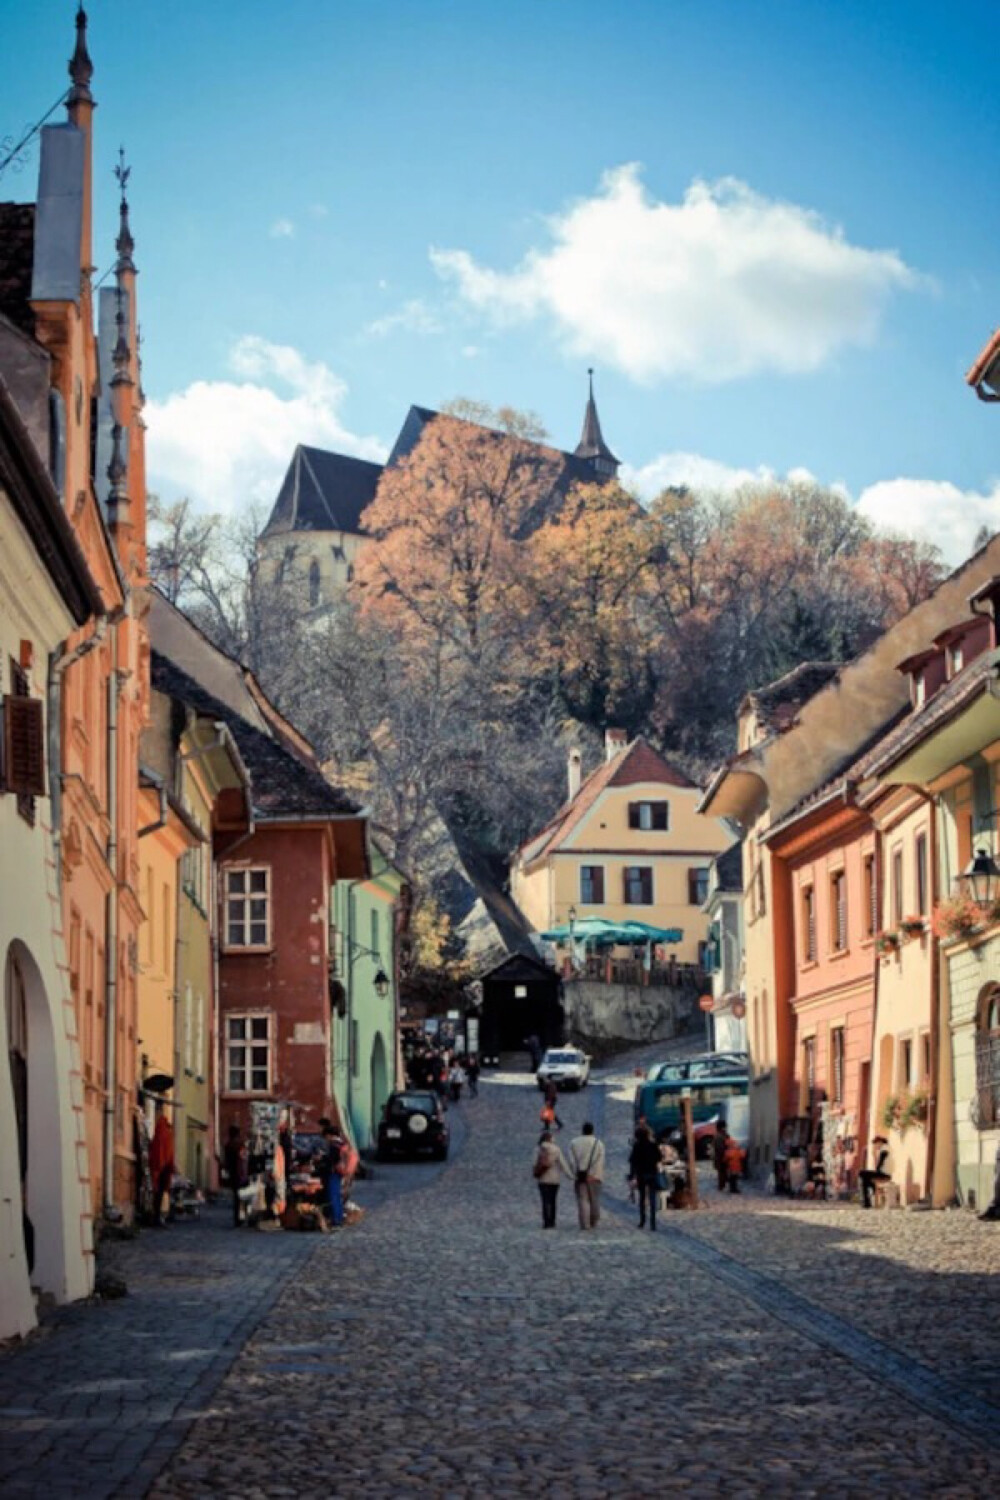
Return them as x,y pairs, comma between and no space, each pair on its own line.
343,206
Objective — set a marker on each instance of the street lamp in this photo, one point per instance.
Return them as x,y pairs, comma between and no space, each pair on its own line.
981,877
381,984
572,919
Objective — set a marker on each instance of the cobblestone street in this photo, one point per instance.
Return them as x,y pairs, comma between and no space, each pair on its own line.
445,1346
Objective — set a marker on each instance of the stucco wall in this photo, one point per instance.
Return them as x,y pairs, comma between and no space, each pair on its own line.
58,1203
971,968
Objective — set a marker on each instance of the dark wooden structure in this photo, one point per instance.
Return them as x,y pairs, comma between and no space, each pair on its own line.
522,997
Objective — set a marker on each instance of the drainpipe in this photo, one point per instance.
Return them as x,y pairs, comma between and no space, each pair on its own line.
111,942
59,661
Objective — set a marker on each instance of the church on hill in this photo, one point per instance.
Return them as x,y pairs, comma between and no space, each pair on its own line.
314,531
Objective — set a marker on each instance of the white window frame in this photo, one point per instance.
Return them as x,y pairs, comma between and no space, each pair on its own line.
249,1019
246,895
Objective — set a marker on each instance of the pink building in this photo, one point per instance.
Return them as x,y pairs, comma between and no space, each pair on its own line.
826,853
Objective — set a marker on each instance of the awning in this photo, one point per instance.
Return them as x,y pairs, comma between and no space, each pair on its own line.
598,932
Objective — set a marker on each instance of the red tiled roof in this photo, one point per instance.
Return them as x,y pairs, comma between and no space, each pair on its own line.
638,762
984,359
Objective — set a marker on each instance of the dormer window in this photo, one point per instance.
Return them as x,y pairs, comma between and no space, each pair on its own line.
919,690
649,816
957,658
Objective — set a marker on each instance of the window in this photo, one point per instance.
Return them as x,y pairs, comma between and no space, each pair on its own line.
919,690
248,1054
988,1058
199,1038
649,816
592,885
905,1063
921,872
808,1084
897,885
697,887
808,925
871,897
837,1064
925,1058
957,658
759,893
638,883
248,908
313,584
193,875
375,936
838,912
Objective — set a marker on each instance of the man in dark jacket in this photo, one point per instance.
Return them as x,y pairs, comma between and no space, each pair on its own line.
643,1166
232,1158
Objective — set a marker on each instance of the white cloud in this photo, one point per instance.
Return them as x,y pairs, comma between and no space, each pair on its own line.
319,211
227,443
935,510
724,284
696,472
471,351
413,317
282,229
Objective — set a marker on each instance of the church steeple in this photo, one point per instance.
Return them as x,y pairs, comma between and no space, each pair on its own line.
592,446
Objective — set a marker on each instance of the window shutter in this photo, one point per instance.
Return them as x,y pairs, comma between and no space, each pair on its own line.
633,815
24,746
598,880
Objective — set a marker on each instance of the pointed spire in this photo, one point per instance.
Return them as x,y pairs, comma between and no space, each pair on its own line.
81,69
124,244
592,445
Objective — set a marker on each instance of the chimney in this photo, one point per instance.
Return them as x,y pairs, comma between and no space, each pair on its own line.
573,772
614,741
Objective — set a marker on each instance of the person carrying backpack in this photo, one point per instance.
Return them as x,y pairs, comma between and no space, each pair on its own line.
549,1162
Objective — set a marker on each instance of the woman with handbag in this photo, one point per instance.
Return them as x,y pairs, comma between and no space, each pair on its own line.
549,1162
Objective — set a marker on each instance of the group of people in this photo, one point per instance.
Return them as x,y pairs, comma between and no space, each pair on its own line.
331,1160
446,1072
655,1170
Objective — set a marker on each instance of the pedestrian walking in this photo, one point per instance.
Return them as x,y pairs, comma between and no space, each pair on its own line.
550,1120
456,1077
719,1153
586,1159
734,1164
232,1159
552,1100
534,1047
643,1168
161,1164
549,1163
472,1073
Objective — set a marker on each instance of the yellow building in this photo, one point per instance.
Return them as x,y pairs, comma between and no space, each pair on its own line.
628,844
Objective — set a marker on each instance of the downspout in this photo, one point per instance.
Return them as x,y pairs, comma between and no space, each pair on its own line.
935,998
111,942
59,661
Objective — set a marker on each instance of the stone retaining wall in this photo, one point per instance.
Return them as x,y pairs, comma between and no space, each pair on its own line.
626,1012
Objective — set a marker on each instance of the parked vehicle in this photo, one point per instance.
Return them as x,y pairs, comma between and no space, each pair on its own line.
566,1067
735,1112
413,1121
710,1081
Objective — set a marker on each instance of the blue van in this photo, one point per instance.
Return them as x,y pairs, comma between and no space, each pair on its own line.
709,1080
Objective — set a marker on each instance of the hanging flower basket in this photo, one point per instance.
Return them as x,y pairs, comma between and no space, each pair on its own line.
891,1112
957,917
887,943
912,927
916,1109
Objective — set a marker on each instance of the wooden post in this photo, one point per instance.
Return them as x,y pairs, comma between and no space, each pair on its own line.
687,1120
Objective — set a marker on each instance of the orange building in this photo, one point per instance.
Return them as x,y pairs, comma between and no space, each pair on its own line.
89,420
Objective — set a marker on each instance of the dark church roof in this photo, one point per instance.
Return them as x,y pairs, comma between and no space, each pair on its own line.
329,491
323,492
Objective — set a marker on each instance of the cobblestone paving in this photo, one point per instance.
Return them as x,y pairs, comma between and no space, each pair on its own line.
449,1347
93,1404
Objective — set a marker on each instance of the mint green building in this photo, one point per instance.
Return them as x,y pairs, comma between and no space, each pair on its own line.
365,1030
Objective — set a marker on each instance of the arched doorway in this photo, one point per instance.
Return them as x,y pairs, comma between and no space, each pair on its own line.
379,1083
34,1084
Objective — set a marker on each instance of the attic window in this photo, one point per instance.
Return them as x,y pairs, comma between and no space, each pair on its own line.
957,658
919,690
649,816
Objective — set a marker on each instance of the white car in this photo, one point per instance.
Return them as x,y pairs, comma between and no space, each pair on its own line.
566,1067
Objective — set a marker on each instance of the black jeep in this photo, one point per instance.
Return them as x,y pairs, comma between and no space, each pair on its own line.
413,1120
